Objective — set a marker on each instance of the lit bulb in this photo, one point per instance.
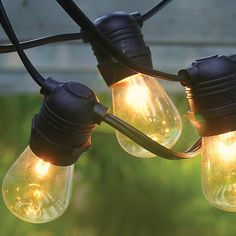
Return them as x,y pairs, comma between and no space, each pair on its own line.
142,102
218,170
37,191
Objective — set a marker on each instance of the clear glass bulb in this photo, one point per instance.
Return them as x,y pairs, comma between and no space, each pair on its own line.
218,170
142,102
37,191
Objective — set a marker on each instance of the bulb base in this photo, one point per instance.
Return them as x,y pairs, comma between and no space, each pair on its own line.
124,32
62,130
210,85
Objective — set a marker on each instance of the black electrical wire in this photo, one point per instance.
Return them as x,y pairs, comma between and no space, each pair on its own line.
155,9
38,78
41,41
196,145
97,37
146,142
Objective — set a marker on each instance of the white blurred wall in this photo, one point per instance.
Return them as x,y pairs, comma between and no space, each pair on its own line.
182,32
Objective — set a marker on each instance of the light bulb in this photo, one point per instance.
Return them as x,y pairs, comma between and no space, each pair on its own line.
37,191
142,102
218,170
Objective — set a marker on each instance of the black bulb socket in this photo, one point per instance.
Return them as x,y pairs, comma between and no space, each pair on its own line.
62,130
210,85
124,32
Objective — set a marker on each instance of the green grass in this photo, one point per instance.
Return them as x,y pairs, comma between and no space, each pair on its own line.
116,194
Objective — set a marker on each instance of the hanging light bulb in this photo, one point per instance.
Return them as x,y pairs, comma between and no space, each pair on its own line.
37,191
142,102
137,98
218,170
211,89
37,188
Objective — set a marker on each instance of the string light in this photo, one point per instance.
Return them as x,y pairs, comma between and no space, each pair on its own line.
147,122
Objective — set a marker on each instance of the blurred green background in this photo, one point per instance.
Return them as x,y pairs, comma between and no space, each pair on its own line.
114,193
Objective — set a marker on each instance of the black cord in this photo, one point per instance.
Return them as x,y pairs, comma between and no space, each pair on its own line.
94,35
196,146
155,9
38,78
146,142
41,41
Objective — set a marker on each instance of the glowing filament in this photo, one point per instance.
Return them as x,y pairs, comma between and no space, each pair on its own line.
32,211
226,146
41,168
137,96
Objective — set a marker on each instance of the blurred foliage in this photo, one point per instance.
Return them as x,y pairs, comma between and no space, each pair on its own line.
116,194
